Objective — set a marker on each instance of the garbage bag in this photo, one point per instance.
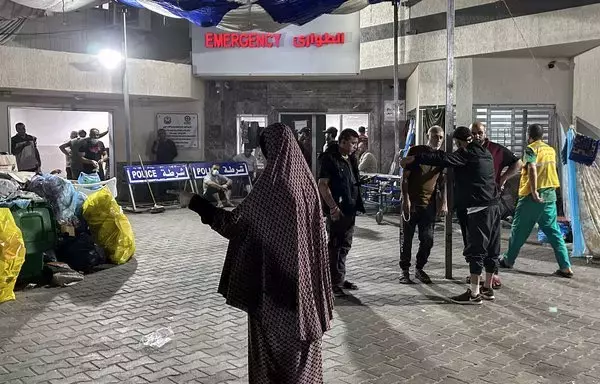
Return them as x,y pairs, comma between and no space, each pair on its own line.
81,253
91,178
12,254
65,201
109,226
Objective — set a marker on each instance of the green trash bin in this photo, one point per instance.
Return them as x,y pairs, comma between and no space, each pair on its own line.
40,235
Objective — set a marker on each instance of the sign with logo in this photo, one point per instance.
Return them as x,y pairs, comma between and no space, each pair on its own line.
328,45
199,170
182,128
157,173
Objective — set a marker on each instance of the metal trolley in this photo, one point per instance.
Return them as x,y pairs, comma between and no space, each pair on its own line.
382,192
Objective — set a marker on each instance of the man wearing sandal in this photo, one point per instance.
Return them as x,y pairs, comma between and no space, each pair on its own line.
537,203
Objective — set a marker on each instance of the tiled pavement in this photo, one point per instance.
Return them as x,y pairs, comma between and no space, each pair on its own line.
387,334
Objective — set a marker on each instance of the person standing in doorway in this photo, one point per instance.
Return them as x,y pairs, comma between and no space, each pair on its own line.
537,203
420,207
251,164
339,189
305,142
330,136
92,153
69,156
362,135
475,190
367,163
24,147
71,149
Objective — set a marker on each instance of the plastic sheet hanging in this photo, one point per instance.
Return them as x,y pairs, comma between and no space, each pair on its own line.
588,186
570,189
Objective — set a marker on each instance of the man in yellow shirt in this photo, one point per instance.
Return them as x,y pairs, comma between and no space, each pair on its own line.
537,203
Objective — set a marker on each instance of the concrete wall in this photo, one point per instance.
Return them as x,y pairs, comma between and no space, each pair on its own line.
40,70
539,30
586,87
493,81
382,13
223,104
522,81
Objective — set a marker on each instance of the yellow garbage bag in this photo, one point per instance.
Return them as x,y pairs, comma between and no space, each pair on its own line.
109,226
12,254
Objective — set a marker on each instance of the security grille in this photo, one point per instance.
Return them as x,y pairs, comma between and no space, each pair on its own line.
507,124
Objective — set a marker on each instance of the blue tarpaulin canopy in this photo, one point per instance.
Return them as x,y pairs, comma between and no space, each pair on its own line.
210,13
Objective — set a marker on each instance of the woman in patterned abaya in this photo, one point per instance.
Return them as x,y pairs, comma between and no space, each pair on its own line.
277,268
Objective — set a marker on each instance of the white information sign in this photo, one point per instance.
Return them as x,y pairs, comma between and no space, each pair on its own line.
182,128
388,110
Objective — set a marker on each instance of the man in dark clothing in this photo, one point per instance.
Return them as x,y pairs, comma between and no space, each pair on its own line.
330,135
340,192
477,192
164,148
24,148
503,159
420,207
93,154
305,142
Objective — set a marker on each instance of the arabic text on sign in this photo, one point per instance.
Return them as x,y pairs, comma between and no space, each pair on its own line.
318,40
242,40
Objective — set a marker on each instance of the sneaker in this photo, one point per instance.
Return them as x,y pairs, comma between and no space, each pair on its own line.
405,278
487,294
566,275
350,286
339,292
502,264
423,277
467,298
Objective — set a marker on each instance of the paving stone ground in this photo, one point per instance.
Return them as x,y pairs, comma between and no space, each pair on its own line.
541,329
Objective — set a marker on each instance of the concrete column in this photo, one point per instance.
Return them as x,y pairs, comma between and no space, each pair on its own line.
464,92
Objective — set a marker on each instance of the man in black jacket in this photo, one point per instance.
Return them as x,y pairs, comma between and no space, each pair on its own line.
340,192
476,191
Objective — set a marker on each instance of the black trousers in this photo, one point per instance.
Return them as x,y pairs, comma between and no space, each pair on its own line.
483,240
339,245
422,218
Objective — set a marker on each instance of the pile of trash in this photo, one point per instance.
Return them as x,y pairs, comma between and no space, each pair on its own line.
79,231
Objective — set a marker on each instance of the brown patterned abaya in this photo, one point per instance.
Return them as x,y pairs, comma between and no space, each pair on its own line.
277,268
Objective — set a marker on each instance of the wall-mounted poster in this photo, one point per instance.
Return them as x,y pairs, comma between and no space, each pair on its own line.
388,110
182,128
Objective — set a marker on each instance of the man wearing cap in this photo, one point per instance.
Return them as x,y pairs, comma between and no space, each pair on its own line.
330,136
476,191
